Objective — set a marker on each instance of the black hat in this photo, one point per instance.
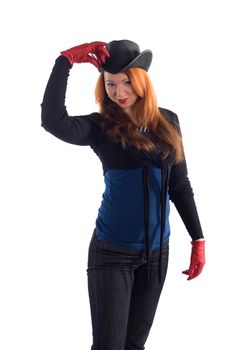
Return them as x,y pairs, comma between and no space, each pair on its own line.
125,54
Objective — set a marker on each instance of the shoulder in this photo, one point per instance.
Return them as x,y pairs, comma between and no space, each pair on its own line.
170,116
167,113
98,120
94,118
95,121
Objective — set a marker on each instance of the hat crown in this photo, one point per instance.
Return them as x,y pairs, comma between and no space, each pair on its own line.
125,54
124,50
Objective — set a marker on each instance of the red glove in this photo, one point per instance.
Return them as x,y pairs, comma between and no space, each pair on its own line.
94,53
197,260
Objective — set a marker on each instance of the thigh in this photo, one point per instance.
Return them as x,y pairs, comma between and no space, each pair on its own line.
144,301
110,286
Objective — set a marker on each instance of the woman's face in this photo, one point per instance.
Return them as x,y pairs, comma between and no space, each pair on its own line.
119,89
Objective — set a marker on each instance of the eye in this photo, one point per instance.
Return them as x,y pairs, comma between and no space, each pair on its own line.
109,84
127,82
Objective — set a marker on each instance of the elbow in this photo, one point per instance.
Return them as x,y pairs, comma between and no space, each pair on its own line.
44,117
180,194
46,124
47,119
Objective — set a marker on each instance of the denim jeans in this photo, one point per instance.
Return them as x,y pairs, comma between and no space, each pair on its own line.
122,300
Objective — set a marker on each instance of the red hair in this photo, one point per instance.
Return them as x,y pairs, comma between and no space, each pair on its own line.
119,125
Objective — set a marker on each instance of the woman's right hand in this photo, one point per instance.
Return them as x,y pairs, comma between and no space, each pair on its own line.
94,52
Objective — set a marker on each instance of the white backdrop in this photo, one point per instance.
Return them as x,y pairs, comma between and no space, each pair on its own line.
51,191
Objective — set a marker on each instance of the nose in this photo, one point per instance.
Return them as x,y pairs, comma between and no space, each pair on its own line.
120,91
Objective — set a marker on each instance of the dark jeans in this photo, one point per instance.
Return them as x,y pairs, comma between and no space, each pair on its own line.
123,302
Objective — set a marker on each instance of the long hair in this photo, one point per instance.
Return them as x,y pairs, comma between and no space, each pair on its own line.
120,126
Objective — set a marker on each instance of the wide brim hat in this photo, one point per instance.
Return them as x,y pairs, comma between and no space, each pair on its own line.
125,54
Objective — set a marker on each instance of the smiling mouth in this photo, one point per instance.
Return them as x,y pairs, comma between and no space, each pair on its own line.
122,100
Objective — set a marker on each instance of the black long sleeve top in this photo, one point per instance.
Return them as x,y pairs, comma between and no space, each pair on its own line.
87,130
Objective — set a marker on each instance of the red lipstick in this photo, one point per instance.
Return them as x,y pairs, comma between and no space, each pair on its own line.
122,100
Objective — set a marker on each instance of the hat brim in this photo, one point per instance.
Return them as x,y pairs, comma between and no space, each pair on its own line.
143,60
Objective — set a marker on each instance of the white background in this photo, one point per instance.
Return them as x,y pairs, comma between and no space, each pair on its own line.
50,190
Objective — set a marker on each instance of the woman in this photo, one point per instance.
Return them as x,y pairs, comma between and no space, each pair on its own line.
141,151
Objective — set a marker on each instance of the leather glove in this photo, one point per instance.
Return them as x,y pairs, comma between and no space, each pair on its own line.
197,260
94,53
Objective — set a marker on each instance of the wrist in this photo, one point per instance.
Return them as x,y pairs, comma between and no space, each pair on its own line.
198,244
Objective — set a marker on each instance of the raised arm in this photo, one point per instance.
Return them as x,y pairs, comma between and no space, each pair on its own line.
54,116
